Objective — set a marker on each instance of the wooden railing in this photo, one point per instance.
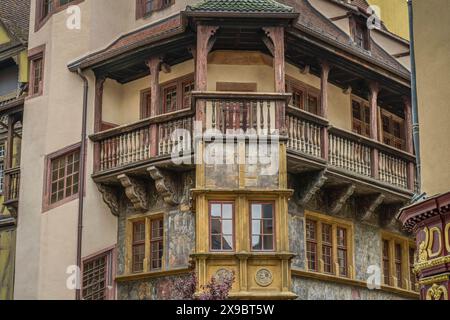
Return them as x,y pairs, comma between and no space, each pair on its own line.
142,140
305,132
350,155
311,135
228,111
12,185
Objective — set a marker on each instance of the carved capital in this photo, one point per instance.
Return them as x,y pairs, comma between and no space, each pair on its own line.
369,204
340,197
136,191
163,186
110,197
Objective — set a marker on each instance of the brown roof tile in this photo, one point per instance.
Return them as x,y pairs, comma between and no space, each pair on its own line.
15,15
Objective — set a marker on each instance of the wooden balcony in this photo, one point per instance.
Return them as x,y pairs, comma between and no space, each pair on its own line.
312,143
347,153
12,187
140,143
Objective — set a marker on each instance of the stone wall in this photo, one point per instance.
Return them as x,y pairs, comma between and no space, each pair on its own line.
179,233
311,289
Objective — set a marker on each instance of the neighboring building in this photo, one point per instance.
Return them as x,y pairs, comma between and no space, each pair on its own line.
335,93
429,220
394,14
14,20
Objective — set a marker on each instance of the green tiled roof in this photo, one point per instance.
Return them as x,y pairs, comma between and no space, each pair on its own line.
241,6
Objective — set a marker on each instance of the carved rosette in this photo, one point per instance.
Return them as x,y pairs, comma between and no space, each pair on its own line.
264,277
136,191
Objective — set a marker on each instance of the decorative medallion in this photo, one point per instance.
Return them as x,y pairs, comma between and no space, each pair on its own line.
264,277
222,274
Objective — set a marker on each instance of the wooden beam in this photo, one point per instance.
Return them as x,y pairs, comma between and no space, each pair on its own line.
313,181
98,103
368,205
324,73
339,198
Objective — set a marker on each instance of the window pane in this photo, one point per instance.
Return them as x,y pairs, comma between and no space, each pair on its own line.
216,242
267,211
267,227
227,227
216,226
257,242
216,210
268,242
227,243
227,211
256,211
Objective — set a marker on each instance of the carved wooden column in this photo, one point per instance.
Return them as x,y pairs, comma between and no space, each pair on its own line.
98,115
205,42
276,36
154,65
409,141
373,105
325,71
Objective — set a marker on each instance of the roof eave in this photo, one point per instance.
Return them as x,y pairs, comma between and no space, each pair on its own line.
228,14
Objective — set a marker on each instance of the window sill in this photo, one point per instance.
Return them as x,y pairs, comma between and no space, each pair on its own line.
352,282
152,274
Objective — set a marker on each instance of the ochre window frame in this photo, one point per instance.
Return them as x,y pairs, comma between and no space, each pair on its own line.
110,255
307,91
406,246
335,223
148,218
46,202
37,53
233,222
41,20
274,224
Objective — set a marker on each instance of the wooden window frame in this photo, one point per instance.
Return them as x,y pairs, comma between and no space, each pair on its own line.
407,245
41,20
147,219
46,205
293,84
35,54
157,5
179,83
233,215
364,104
274,225
145,108
356,22
320,220
392,118
110,254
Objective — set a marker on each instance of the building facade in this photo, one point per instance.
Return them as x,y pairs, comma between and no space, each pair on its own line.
429,219
111,102
14,20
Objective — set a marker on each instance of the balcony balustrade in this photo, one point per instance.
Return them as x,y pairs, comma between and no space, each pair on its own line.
307,134
12,185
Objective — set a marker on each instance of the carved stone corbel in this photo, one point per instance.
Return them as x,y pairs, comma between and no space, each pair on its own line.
390,213
369,204
163,186
136,191
110,197
340,197
314,181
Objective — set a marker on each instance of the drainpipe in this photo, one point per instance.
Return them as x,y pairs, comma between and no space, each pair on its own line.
414,102
82,177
